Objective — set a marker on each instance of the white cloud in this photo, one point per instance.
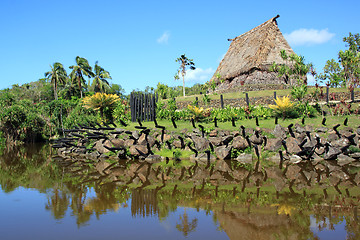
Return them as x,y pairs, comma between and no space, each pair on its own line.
199,75
164,38
308,36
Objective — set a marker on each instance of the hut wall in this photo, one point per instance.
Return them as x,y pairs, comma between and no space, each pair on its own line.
256,78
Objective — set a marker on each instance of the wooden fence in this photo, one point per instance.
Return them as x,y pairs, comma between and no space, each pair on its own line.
143,106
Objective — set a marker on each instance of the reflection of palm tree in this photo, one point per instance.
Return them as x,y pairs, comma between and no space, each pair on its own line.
185,226
58,204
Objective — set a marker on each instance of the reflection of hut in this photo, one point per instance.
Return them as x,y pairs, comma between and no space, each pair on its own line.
250,56
143,202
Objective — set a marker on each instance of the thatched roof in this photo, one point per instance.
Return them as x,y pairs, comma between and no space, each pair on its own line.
256,49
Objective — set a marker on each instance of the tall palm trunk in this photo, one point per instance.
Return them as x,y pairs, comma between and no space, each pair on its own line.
183,85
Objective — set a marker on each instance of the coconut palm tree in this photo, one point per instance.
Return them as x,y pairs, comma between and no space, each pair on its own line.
184,64
81,68
100,82
57,75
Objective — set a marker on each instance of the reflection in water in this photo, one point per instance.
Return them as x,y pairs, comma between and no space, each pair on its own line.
252,202
185,226
144,202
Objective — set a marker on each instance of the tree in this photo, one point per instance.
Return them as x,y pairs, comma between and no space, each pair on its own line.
345,71
184,64
57,75
100,82
81,68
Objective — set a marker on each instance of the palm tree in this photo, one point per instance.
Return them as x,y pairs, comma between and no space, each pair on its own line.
81,68
184,63
100,83
57,76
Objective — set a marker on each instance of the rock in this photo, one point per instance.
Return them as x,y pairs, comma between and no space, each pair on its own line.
355,155
256,140
235,133
222,166
94,155
177,143
340,143
226,139
295,159
135,134
292,145
273,145
203,158
332,137
299,129
138,150
118,143
129,142
99,146
279,132
344,160
216,141
322,129
245,158
332,153
213,133
121,154
201,144
223,152
240,143
100,166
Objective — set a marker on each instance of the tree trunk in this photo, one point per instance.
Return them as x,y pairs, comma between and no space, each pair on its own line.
183,85
55,91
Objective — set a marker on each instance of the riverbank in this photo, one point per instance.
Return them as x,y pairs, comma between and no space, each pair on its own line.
288,140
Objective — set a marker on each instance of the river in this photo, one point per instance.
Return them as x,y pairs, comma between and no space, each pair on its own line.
43,196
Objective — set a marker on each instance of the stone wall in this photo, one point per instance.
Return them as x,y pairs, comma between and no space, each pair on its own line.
252,81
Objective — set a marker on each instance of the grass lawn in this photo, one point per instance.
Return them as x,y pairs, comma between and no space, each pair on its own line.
354,121
262,93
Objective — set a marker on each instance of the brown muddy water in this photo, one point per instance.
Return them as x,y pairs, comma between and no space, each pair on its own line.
47,197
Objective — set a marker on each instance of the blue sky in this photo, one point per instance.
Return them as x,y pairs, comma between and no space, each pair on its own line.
138,41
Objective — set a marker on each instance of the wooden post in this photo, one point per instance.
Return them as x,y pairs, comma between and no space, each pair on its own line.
274,95
352,95
197,101
222,101
327,94
247,99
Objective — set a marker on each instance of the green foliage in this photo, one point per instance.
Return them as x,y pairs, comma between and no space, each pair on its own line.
206,99
295,69
345,71
20,122
299,92
122,111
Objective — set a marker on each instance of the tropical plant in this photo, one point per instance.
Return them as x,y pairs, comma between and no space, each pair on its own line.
198,113
206,99
122,111
100,82
295,69
184,64
81,68
101,102
299,92
284,107
57,75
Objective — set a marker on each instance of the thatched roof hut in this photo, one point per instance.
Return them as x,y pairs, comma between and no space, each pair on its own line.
250,56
